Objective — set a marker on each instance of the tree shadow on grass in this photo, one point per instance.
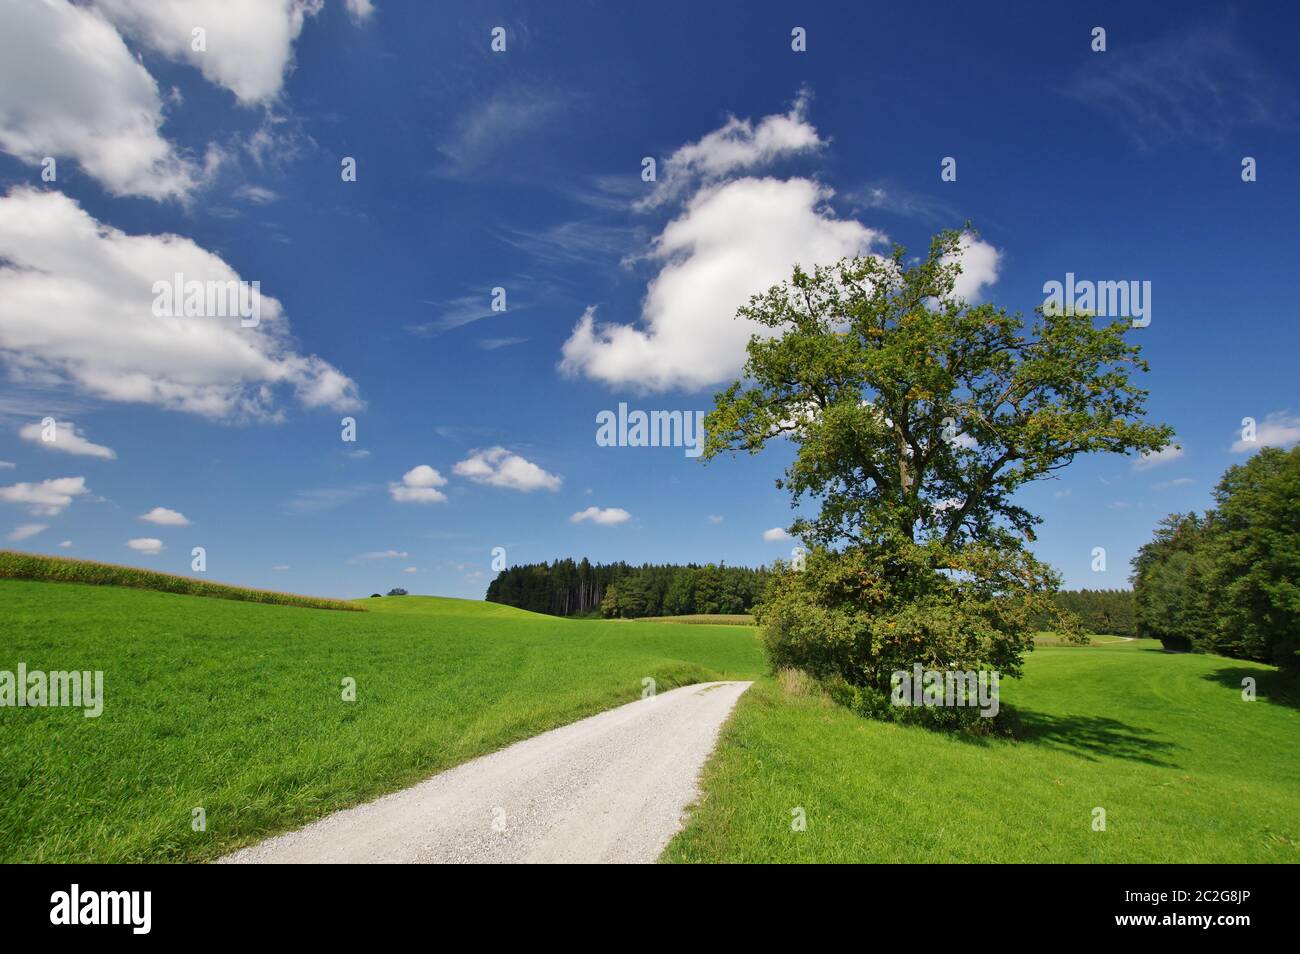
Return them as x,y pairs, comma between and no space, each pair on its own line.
1271,685
1092,737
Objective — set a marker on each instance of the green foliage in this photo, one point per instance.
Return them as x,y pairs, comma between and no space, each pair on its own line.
846,621
619,590
916,417
1229,582
31,566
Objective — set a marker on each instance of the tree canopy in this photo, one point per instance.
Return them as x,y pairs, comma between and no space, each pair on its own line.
917,414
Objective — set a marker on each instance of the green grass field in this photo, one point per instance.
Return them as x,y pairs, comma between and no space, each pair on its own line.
1186,770
237,707
703,619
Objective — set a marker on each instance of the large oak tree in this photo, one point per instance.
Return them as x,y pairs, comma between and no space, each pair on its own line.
916,416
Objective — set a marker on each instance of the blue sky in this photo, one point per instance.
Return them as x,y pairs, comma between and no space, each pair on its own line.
521,170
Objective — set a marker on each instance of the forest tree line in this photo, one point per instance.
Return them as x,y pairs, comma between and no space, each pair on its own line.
624,591
1228,581
1102,612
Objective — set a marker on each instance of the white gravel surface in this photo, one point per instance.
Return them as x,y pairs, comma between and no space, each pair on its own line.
611,788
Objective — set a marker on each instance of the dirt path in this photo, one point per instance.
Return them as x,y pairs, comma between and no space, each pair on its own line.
611,788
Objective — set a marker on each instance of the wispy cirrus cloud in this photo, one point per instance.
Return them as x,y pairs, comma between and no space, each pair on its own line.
578,242
317,499
903,202
1198,84
484,138
492,344
379,555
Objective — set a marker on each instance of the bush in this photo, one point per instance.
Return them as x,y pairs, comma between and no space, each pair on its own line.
853,619
860,615
397,591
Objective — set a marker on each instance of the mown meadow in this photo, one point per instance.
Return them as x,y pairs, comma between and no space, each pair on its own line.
1184,768
237,708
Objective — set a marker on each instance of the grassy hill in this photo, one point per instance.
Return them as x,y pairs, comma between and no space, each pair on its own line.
35,566
1185,769
236,707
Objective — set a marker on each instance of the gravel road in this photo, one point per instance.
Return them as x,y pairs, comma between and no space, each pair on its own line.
611,788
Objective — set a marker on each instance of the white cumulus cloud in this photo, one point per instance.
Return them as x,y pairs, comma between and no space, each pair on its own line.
419,485
48,498
1278,429
776,533
1148,459
607,516
147,545
248,43
979,267
165,517
735,234
67,438
69,87
25,531
77,306
737,146
360,10
497,467
731,242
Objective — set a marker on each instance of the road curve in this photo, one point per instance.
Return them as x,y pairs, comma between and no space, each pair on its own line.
611,788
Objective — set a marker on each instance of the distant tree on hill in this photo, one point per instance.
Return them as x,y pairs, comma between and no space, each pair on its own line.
397,591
